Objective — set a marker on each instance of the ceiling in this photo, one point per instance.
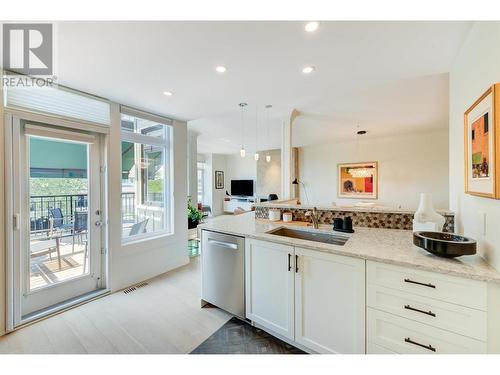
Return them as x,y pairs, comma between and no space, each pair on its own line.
385,77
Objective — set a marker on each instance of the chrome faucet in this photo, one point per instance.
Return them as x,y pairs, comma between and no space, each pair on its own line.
314,217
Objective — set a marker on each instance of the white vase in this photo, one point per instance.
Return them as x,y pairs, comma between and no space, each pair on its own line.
426,217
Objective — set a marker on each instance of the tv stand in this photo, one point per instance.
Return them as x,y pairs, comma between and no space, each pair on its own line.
234,202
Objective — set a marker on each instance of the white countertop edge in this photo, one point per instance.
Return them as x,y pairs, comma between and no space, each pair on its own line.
474,266
334,249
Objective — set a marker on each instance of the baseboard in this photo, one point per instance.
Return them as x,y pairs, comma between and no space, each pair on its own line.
170,266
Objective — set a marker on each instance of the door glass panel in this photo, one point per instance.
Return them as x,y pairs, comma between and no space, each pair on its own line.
58,207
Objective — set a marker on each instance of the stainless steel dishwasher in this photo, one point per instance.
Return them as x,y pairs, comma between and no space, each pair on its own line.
223,271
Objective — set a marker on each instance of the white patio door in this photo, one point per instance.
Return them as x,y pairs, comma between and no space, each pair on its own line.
57,217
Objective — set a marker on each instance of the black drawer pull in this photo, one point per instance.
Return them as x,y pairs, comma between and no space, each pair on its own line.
296,263
428,347
408,307
419,283
289,262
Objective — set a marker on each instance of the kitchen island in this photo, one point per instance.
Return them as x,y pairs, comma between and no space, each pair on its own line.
391,246
377,293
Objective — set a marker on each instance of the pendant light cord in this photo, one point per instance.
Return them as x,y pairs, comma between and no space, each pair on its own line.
242,127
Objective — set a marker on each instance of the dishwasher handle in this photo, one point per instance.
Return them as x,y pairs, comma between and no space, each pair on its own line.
223,244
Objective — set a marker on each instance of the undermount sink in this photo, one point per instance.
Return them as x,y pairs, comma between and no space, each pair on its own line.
332,239
447,245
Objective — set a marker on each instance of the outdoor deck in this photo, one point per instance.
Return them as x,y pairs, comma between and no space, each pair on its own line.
45,271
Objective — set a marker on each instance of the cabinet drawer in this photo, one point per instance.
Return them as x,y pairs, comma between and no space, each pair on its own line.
457,290
406,336
372,348
444,315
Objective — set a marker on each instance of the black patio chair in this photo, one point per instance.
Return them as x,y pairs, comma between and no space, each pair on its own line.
79,227
57,221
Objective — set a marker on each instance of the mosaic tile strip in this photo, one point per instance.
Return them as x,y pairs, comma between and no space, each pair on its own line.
387,220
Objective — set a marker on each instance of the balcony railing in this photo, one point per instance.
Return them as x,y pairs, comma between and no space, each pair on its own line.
40,206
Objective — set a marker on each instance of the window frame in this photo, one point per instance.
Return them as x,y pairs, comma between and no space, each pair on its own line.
200,167
167,145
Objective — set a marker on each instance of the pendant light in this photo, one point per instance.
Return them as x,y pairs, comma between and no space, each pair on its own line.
268,107
256,155
363,172
242,150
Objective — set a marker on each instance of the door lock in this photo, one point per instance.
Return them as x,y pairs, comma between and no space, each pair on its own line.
98,223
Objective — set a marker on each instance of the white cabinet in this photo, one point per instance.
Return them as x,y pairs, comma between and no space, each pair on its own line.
315,299
269,278
406,336
330,302
415,311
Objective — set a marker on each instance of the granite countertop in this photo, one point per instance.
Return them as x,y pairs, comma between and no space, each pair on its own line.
391,246
378,209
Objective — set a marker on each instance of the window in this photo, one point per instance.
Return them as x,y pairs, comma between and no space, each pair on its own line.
146,181
200,182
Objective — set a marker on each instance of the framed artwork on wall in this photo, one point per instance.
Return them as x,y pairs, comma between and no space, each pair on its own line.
219,179
358,180
481,143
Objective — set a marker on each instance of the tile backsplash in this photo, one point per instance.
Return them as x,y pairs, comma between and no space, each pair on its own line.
387,220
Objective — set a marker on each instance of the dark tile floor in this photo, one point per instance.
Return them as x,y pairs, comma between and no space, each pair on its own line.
238,337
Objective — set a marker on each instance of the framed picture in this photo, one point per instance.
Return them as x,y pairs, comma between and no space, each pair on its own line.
219,179
481,142
358,180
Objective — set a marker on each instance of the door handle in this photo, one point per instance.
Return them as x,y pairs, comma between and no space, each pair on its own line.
429,285
289,262
428,347
223,244
16,222
296,263
408,307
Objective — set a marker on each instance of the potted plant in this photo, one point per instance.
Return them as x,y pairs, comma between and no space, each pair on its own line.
194,216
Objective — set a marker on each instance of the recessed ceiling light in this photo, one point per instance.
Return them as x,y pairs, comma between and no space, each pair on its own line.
220,69
168,93
308,69
311,26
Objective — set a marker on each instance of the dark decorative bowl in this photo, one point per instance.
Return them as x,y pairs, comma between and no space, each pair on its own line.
447,245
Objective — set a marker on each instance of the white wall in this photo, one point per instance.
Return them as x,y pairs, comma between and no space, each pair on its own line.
192,166
218,164
214,197
408,165
239,168
134,262
476,67
268,180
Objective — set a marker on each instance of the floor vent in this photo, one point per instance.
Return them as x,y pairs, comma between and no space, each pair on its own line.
135,287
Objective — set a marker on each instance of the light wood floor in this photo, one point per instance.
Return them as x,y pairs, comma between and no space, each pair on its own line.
163,317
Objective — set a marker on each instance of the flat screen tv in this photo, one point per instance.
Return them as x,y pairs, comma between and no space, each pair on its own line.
242,188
